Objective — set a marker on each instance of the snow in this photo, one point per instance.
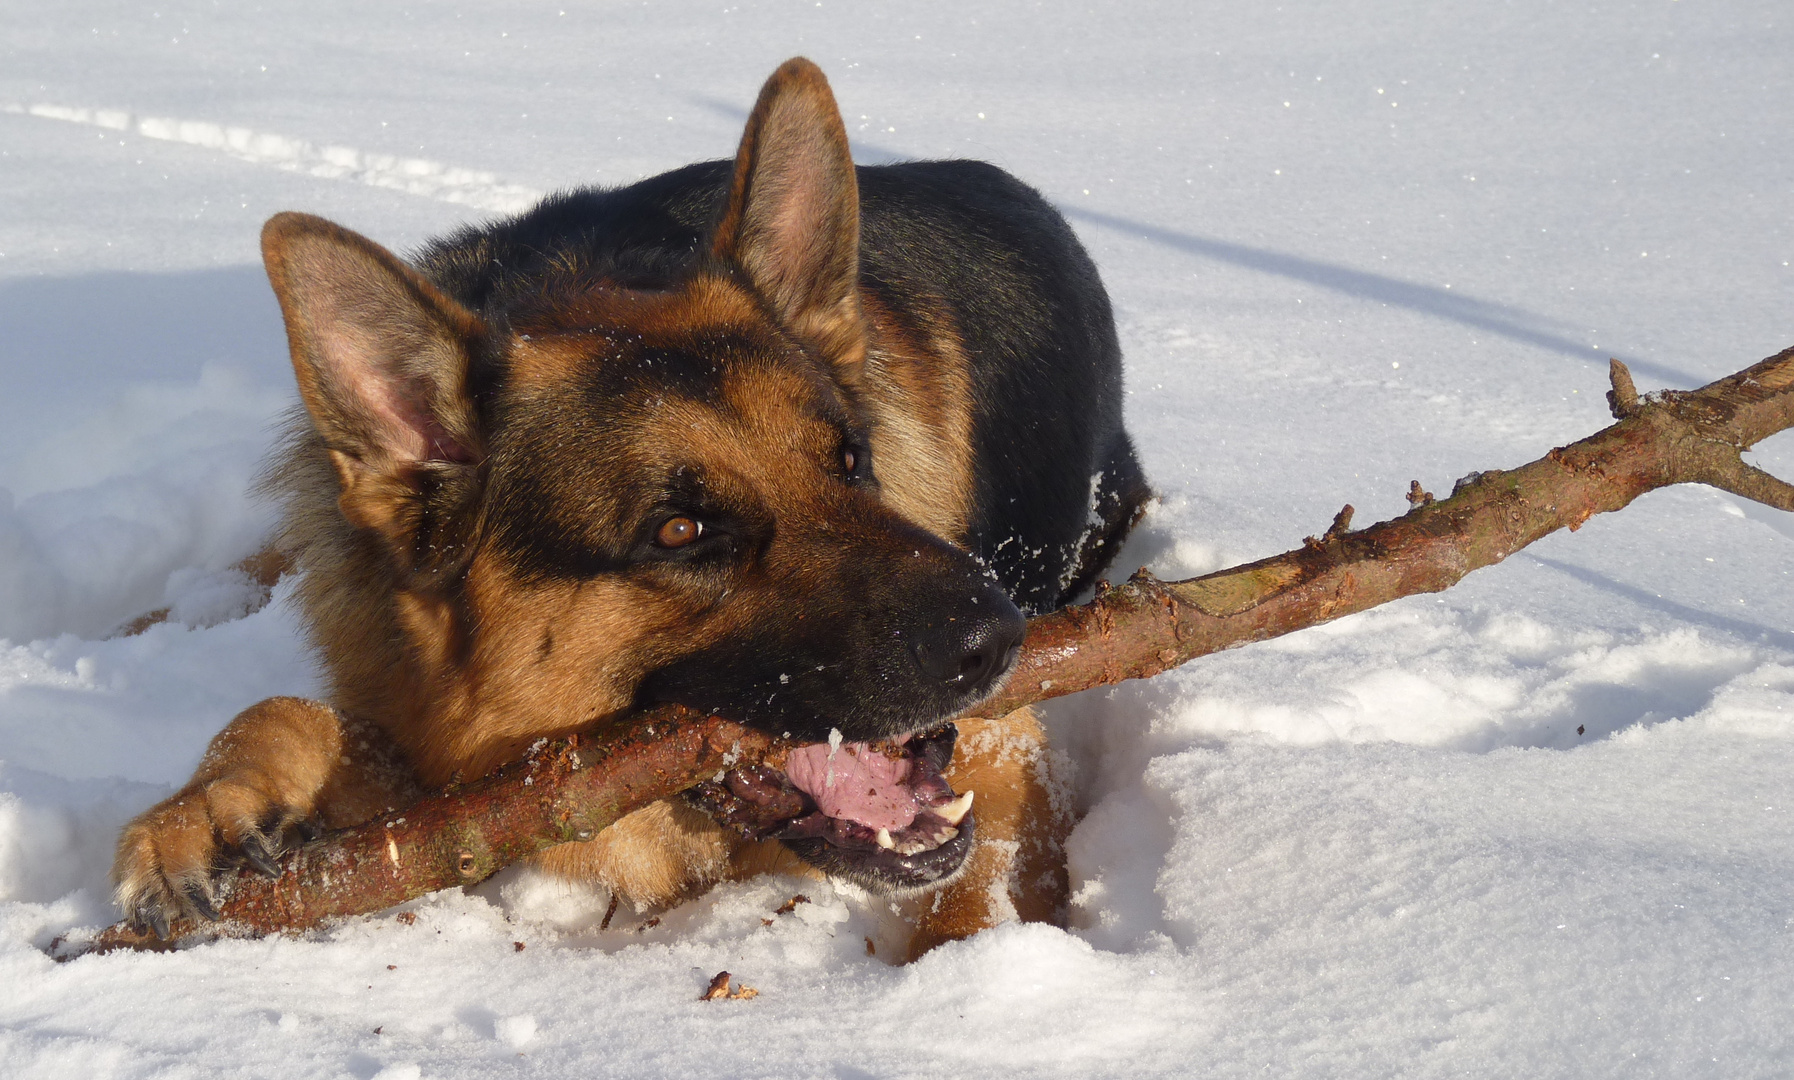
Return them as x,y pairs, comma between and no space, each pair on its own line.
1350,244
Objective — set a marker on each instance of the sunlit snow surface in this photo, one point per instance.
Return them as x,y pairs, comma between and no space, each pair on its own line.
1350,244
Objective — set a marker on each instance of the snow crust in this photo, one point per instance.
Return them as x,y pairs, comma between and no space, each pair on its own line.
1538,825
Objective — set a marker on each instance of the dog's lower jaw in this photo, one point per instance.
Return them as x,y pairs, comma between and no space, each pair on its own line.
886,873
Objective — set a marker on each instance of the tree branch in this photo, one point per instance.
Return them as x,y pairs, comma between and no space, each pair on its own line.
1673,437
569,790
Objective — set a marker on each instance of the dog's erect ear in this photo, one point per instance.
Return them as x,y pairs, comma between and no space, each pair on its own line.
792,222
382,360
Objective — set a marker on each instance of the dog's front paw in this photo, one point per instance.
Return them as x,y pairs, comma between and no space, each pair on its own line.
169,858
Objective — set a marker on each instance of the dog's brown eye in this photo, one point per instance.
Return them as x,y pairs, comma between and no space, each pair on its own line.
677,532
855,461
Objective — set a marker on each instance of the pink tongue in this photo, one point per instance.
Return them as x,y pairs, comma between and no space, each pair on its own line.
854,782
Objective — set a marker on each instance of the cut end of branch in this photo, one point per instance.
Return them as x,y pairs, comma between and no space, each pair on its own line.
1622,400
128,937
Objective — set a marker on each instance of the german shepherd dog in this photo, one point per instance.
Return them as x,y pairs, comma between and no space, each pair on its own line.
781,439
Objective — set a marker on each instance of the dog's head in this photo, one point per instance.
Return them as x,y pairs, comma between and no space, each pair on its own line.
618,496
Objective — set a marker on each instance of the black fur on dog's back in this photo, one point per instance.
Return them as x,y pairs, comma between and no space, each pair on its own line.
1056,484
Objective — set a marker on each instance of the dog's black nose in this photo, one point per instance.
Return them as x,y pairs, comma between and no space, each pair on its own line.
968,651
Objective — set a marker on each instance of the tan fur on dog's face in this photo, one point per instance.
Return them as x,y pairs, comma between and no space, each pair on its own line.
597,423
506,474
600,420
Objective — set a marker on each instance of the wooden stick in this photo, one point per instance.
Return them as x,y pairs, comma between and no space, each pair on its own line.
1674,437
570,790
563,791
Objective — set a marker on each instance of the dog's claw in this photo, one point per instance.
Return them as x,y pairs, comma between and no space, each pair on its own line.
196,896
307,831
158,921
256,854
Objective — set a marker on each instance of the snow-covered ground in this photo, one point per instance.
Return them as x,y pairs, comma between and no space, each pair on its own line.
1540,825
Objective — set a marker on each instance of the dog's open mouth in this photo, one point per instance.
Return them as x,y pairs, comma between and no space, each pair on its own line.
880,814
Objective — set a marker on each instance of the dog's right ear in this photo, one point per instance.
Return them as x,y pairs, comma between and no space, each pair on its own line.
791,221
382,359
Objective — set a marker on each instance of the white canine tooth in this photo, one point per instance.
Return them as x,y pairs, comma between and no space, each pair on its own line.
885,841
956,810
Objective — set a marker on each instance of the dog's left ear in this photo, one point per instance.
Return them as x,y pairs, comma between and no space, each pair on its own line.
792,222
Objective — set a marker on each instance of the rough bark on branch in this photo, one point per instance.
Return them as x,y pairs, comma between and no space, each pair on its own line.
1671,437
571,790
